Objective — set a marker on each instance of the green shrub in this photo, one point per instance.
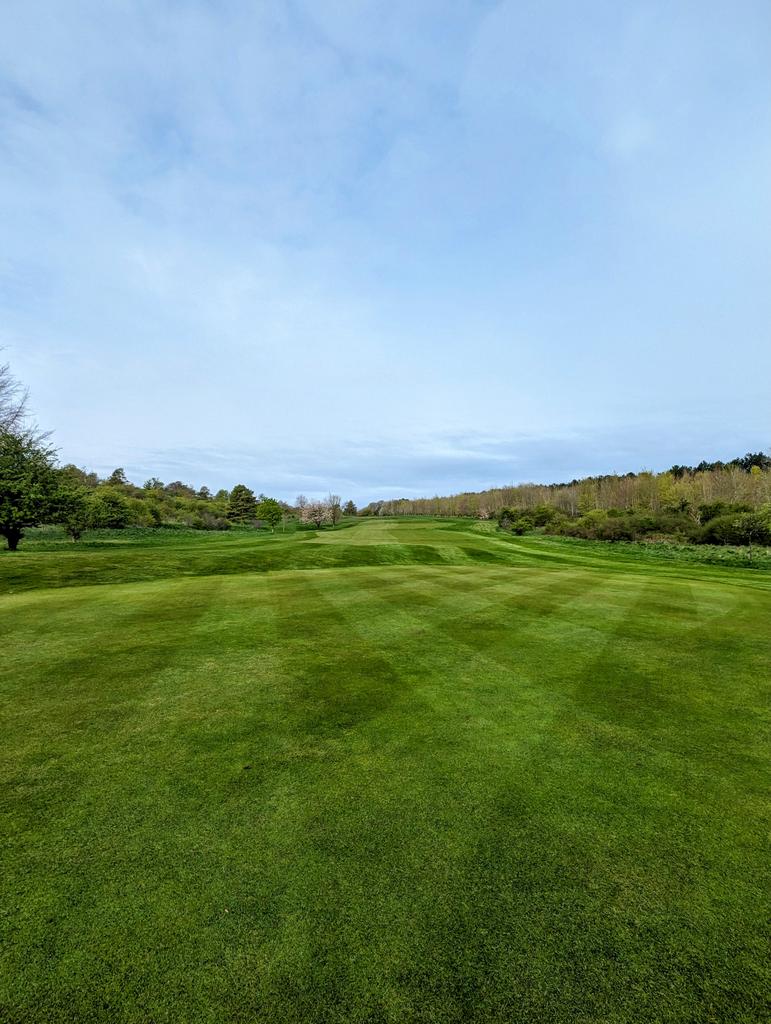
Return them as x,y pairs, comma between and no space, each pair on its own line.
715,509
209,521
620,524
742,528
515,521
109,510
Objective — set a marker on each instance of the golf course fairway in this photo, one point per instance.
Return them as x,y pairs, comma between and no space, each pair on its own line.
396,771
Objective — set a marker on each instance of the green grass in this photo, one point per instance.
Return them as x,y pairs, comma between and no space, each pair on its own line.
402,771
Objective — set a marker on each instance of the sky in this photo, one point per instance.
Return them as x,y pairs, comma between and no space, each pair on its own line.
388,247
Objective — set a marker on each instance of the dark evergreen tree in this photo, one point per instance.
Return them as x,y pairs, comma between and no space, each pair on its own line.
242,506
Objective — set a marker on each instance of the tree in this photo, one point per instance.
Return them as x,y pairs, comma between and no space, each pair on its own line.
72,476
14,416
179,490
117,478
349,509
270,512
335,512
754,460
109,510
315,512
29,485
74,508
242,506
13,402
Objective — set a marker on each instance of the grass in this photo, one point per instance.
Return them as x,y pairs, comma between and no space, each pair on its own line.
402,771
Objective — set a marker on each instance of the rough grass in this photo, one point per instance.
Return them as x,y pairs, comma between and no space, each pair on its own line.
397,772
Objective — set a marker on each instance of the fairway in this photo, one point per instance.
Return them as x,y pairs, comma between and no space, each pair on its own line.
399,771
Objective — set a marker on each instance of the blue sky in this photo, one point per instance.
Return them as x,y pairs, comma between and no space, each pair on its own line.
388,248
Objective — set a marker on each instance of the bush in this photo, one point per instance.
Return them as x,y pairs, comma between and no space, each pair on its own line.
209,521
619,524
519,521
109,510
545,515
742,528
515,521
715,509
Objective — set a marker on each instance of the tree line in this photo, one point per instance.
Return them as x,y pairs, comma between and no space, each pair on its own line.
711,503
35,490
745,481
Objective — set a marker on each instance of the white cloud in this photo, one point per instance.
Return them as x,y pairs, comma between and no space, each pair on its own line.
230,224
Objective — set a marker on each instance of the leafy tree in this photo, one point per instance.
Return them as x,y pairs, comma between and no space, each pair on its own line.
29,485
74,508
109,510
270,511
179,490
754,460
154,513
242,506
117,478
73,476
153,484
349,509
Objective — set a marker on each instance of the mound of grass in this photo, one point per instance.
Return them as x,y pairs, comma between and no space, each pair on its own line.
436,775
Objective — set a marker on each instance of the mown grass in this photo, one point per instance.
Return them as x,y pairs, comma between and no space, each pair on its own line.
404,771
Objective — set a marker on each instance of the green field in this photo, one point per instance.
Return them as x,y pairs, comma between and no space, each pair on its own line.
400,771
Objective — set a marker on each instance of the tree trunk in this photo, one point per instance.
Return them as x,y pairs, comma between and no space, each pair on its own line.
13,537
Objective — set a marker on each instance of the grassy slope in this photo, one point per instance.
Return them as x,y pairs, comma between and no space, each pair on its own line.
453,776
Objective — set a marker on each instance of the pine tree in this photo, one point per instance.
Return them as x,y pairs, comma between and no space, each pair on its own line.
242,506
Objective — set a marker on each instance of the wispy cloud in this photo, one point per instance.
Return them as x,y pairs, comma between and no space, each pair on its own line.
343,241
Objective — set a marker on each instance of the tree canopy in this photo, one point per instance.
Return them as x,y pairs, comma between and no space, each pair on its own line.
29,485
270,512
242,506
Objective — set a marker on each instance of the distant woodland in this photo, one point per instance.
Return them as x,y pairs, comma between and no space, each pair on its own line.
712,502
745,480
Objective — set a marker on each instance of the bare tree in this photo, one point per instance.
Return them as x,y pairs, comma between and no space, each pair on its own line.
14,417
13,402
335,509
301,502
